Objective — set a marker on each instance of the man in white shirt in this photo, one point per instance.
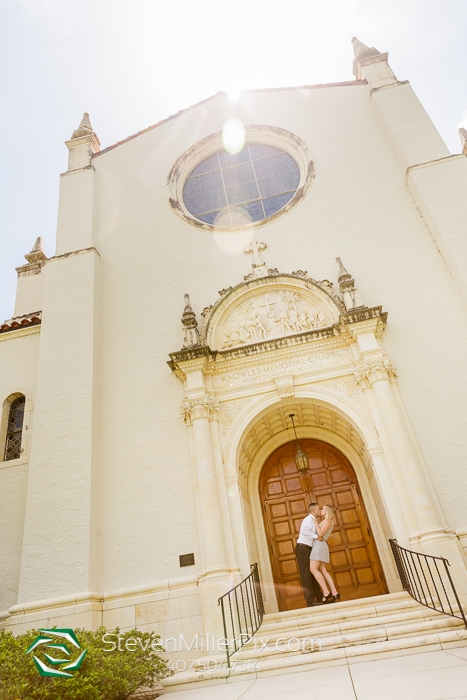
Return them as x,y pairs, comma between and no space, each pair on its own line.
308,533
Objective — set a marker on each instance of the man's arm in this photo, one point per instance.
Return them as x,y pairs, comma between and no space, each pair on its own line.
309,529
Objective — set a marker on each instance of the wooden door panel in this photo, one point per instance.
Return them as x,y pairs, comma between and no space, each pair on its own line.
279,510
285,496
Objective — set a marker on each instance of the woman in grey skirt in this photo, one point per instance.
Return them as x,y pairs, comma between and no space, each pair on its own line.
319,556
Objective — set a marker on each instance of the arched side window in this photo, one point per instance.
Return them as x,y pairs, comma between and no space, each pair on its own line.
14,429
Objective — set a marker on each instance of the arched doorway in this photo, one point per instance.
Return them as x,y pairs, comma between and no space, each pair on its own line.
285,494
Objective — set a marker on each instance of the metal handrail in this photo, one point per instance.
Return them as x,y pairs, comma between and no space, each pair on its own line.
244,604
421,577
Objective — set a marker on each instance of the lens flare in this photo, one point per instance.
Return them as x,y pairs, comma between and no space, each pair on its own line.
233,94
233,135
232,243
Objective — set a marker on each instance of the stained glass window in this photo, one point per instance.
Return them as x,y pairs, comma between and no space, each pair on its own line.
233,190
14,429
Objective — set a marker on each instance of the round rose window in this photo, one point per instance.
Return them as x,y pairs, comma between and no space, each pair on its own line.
227,190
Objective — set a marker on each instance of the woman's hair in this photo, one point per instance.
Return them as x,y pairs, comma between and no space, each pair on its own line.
329,512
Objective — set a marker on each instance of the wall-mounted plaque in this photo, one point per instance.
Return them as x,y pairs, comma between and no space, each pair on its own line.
187,560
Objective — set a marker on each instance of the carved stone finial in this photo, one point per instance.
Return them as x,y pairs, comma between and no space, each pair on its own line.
342,271
463,136
37,254
361,50
84,128
352,298
364,65
259,267
82,145
190,333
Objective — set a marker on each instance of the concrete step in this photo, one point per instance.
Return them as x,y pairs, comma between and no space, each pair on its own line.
337,612
330,635
263,647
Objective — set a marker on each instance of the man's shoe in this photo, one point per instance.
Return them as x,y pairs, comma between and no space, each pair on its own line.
314,604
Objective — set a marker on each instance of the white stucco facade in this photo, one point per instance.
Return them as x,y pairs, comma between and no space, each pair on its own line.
115,482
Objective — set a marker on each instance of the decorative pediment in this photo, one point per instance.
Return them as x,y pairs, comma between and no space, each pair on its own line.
267,308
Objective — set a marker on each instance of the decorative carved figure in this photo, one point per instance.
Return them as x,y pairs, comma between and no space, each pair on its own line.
260,328
270,315
286,326
320,319
304,321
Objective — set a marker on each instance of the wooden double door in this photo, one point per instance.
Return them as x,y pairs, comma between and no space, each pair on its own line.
286,493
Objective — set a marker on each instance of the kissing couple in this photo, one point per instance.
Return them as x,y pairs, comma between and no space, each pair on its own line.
312,553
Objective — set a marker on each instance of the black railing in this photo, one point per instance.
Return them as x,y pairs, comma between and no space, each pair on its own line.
242,612
427,579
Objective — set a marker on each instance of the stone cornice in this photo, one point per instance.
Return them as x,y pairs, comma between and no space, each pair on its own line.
277,343
192,353
72,253
361,320
430,163
280,353
365,314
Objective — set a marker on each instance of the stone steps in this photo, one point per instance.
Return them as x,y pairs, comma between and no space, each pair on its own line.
336,634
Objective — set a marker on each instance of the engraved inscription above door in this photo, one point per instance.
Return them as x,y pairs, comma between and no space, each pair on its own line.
285,495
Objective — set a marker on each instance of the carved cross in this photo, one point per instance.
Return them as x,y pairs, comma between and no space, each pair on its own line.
268,303
254,248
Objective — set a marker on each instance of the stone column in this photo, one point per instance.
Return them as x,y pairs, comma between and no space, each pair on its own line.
378,374
400,514
428,532
223,499
215,579
243,558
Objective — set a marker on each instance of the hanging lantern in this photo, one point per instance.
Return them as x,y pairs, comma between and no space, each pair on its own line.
301,460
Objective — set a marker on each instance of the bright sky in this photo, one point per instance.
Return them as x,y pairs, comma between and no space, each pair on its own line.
130,63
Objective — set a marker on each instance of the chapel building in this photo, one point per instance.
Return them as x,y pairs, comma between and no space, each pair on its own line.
200,295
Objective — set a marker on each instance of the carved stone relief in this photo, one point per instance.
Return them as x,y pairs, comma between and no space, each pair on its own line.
271,314
349,387
228,413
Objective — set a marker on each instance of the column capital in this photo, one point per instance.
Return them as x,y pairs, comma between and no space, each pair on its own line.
206,406
369,372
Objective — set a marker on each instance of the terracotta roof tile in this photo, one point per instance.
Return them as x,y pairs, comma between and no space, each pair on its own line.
21,321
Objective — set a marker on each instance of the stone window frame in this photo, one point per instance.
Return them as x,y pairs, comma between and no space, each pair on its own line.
6,402
262,134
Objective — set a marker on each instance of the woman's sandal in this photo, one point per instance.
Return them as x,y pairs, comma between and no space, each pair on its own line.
336,598
328,598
